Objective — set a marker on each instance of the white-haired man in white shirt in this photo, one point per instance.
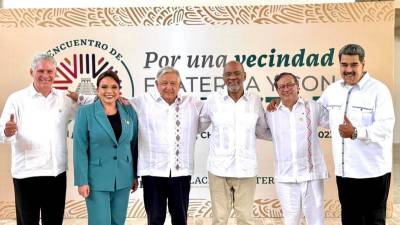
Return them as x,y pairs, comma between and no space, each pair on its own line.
168,125
34,120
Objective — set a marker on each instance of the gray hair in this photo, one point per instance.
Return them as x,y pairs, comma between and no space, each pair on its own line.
167,69
352,49
40,57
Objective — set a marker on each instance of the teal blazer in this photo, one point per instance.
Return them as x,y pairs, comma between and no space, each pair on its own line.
99,160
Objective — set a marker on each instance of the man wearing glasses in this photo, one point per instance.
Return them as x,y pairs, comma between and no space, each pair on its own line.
361,119
237,118
300,168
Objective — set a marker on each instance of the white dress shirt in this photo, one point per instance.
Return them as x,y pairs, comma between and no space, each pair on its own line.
370,110
235,126
289,135
157,139
39,147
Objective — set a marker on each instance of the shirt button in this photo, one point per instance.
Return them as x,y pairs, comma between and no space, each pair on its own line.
115,146
115,157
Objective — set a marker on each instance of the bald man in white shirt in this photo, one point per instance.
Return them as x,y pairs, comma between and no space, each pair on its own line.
237,119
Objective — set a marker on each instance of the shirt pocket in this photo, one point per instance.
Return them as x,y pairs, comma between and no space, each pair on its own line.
334,107
364,114
336,112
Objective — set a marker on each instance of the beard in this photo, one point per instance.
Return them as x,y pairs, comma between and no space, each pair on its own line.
234,88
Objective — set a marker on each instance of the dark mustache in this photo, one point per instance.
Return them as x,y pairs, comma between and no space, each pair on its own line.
349,74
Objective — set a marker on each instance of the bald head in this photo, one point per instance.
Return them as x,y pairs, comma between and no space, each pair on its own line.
234,63
234,76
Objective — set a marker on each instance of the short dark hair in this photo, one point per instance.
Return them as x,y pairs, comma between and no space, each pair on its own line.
109,73
352,49
279,76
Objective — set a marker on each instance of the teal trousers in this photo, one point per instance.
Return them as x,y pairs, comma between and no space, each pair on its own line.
107,207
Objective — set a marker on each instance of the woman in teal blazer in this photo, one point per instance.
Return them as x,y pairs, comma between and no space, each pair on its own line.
105,153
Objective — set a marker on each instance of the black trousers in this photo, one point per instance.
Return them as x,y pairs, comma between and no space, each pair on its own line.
156,191
363,201
40,196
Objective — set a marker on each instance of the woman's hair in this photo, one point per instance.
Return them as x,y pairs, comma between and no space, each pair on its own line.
109,73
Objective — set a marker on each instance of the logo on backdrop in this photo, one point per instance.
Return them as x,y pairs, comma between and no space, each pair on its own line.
81,61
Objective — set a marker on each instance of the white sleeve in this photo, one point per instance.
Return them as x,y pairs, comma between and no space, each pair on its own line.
9,108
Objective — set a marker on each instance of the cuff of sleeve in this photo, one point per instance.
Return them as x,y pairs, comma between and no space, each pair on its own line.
362,133
5,139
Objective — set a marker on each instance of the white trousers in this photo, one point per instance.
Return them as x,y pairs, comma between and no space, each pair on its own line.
305,197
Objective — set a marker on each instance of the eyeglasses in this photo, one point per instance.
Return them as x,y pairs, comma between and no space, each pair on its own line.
288,86
233,74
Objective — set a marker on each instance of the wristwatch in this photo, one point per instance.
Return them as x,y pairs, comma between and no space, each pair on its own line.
354,135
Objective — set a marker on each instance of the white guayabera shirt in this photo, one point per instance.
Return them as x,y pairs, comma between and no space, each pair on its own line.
167,134
297,158
235,127
370,110
39,147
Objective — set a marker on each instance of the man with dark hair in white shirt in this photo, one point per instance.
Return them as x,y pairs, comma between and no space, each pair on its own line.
237,118
300,168
361,119
34,121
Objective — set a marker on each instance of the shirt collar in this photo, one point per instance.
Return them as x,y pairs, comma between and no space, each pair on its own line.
300,100
360,84
32,91
226,96
363,80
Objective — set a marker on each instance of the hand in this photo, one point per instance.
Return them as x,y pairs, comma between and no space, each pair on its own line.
123,101
346,129
73,95
11,127
84,190
272,106
135,185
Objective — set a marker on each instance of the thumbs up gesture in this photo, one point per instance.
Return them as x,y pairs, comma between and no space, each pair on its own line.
11,127
346,129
